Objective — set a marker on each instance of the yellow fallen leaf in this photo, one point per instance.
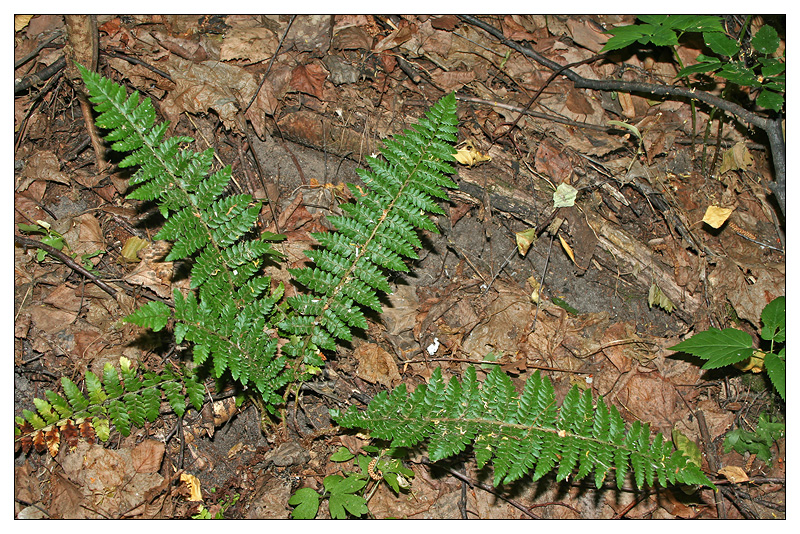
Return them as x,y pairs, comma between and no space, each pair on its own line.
754,364
525,239
734,474
536,286
467,154
130,251
567,249
193,484
716,216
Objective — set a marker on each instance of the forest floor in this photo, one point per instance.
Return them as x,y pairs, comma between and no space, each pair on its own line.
332,88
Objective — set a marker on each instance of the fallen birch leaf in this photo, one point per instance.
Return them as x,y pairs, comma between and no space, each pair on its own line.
525,239
193,484
564,196
716,216
467,154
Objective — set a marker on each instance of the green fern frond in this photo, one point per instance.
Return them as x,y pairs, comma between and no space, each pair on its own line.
203,224
375,232
121,398
522,432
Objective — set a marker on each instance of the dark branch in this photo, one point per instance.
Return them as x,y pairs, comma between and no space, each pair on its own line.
772,127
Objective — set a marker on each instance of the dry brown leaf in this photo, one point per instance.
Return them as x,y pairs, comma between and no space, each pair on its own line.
518,28
42,165
736,158
253,44
551,162
376,365
577,103
751,290
734,474
446,23
587,34
396,38
64,298
51,320
352,38
147,456
309,78
452,80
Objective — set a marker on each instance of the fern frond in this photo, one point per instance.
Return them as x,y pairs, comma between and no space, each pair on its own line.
204,224
522,432
376,231
119,398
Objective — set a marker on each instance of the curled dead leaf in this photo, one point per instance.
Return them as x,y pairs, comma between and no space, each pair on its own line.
192,482
734,474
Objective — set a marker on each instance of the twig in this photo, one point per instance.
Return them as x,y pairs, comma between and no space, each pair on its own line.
38,77
772,127
69,262
713,461
269,66
137,61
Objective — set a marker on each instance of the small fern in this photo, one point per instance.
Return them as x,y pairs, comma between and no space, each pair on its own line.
234,318
522,432
119,398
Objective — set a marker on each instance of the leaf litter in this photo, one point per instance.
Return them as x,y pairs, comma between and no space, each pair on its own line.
461,293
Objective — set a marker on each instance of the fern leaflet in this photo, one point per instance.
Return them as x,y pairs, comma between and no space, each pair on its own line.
522,432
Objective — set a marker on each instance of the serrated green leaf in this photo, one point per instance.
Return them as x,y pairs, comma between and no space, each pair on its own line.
721,44
719,347
625,36
95,389
710,65
739,74
770,100
154,315
102,428
775,364
773,316
306,503
766,40
343,499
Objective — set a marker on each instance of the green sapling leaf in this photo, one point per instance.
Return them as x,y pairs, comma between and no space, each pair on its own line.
775,364
342,455
770,100
774,318
721,44
306,503
719,347
766,40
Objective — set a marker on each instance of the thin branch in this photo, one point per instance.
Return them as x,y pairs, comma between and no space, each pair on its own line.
772,127
69,262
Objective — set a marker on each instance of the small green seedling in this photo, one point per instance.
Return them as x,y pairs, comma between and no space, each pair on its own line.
49,236
731,346
758,442
348,493
205,513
